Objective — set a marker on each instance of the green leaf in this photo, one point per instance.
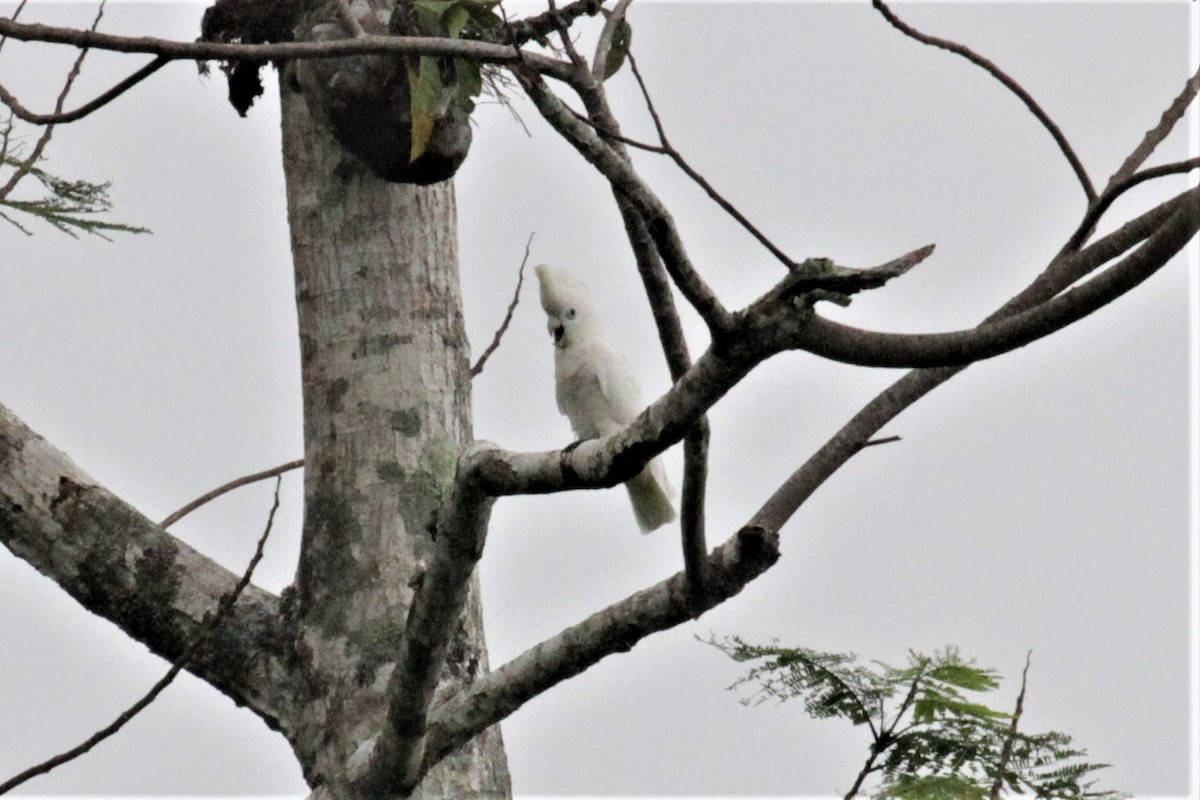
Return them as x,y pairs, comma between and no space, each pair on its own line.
619,49
429,13
482,14
933,787
455,19
425,85
965,676
468,77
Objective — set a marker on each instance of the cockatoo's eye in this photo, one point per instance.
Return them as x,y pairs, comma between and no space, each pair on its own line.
570,313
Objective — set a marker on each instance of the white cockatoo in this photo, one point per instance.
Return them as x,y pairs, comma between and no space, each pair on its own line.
595,386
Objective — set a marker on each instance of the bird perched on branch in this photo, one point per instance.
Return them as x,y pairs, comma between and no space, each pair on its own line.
595,386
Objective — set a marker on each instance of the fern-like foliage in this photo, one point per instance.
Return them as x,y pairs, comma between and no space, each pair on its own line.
71,206
931,736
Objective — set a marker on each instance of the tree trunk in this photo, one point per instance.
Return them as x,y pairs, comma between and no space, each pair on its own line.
384,361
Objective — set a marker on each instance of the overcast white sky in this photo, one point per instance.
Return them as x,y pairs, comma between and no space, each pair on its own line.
1039,501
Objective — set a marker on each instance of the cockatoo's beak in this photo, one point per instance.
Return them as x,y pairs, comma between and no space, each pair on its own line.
557,331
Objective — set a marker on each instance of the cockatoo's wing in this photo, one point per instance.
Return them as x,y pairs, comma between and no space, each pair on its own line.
649,491
617,383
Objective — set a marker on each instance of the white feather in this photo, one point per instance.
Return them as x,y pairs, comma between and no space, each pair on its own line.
595,386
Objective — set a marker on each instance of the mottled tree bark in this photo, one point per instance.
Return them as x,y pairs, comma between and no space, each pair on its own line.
384,360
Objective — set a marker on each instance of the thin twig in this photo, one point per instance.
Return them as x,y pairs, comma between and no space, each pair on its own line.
873,442
562,27
1049,124
1006,750
228,487
1155,135
491,348
699,179
1114,190
224,607
23,169
82,111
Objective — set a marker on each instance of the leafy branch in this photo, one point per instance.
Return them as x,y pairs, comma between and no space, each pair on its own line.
931,738
68,205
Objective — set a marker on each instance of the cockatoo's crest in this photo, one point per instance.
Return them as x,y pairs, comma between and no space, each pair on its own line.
568,305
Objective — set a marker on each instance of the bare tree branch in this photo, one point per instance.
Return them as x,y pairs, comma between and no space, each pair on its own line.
1088,225
371,44
625,179
1155,135
540,26
16,13
23,169
491,348
396,763
492,697
228,487
224,607
1010,84
843,343
99,102
125,568
667,150
1006,750
613,459
1065,269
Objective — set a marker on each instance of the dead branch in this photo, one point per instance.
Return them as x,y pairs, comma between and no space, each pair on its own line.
228,487
224,607
540,26
1049,124
1006,750
491,348
16,13
1114,190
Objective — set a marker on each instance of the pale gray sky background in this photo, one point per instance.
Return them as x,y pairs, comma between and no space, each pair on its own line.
1038,501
